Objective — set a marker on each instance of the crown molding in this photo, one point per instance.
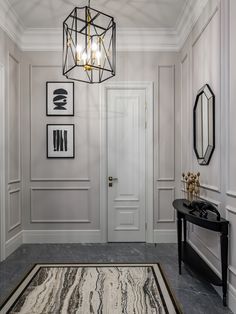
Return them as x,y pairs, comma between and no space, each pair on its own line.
141,39
190,15
10,22
128,39
41,39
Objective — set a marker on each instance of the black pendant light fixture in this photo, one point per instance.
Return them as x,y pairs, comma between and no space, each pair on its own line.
89,45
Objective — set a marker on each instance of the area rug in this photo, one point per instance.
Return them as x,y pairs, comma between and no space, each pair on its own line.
92,288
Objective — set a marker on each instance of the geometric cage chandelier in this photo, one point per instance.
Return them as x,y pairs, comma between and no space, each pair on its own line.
89,45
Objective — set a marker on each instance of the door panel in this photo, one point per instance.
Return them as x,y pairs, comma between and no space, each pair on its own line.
126,164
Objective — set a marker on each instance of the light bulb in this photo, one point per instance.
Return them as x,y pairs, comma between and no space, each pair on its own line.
78,48
98,57
84,57
78,52
94,46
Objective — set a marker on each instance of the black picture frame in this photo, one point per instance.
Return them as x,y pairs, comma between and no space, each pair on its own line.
60,141
65,90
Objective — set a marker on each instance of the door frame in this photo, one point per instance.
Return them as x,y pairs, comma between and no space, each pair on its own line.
149,158
2,163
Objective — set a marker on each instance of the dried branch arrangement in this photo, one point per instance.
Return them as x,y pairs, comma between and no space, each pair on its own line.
191,183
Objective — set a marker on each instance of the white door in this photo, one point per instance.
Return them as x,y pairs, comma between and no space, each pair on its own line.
126,165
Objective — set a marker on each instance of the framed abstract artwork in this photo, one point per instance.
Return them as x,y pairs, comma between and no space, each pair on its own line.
60,98
60,141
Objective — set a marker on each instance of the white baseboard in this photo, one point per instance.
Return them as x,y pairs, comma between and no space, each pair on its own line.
232,298
165,236
62,236
13,243
74,236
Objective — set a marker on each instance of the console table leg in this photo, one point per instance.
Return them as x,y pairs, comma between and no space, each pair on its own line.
179,232
224,264
185,230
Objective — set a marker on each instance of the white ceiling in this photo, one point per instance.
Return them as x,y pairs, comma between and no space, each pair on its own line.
143,25
127,13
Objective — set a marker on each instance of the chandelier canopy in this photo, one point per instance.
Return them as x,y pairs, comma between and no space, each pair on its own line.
89,45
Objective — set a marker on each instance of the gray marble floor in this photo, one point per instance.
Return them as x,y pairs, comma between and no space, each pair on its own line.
195,296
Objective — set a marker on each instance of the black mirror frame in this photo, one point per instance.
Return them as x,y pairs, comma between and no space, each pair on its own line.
207,157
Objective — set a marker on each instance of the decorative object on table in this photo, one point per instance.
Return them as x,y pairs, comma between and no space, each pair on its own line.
60,140
60,98
89,45
191,183
203,208
93,288
204,125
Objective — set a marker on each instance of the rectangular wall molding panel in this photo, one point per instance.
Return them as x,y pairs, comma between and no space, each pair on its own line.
199,237
186,114
41,168
206,70
67,205
13,113
14,216
165,196
166,123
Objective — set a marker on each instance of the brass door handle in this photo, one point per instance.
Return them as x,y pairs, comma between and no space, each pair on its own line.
112,179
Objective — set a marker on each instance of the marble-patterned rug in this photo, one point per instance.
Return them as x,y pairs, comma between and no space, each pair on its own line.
92,288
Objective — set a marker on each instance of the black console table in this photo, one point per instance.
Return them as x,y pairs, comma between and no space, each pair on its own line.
189,256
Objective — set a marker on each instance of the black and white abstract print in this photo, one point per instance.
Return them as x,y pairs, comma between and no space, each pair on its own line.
100,290
60,141
60,98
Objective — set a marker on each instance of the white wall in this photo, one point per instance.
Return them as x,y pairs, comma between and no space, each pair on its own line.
59,194
204,59
78,180
11,175
230,149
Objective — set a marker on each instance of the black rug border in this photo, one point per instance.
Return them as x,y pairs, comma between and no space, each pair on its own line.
50,264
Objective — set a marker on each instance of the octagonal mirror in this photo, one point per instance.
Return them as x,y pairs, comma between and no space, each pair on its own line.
204,125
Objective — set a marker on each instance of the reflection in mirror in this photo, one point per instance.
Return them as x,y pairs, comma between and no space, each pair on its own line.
205,119
204,125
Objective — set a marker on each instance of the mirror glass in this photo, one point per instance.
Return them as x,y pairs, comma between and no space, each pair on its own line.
204,125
